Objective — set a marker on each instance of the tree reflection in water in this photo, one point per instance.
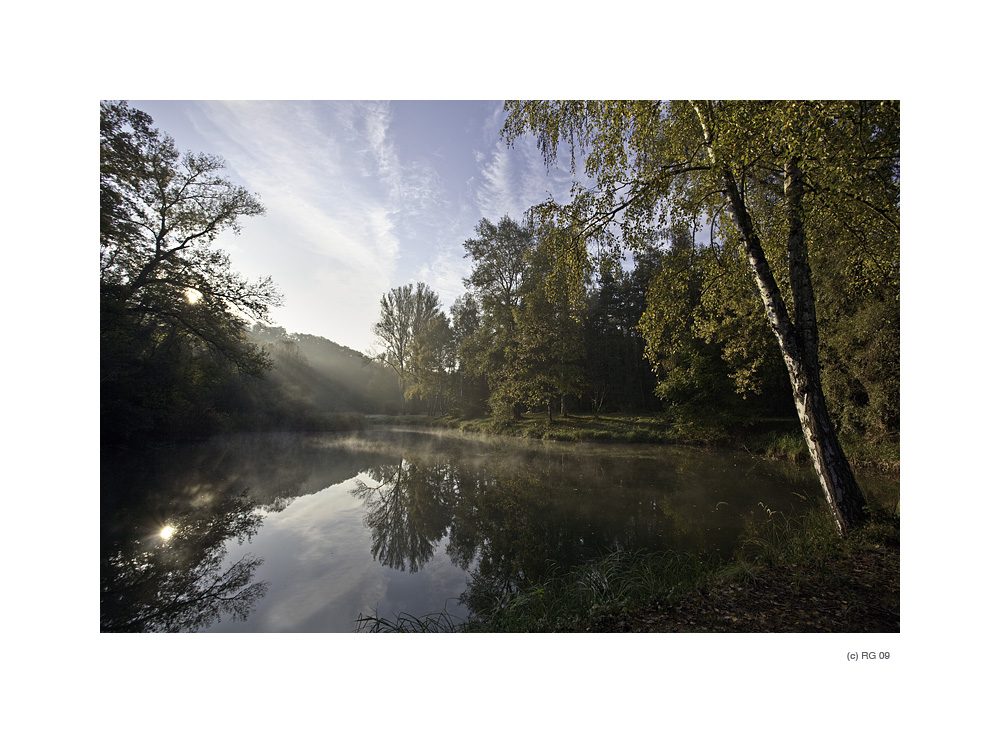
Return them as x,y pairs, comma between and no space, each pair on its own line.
174,581
509,517
497,519
505,513
408,512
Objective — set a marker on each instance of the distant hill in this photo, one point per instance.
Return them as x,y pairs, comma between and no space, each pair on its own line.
313,376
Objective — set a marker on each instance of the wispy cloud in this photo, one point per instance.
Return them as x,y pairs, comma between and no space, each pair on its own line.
303,172
421,206
413,189
350,216
308,163
514,178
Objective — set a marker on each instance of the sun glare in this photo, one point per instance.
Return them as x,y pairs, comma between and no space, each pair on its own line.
167,532
192,295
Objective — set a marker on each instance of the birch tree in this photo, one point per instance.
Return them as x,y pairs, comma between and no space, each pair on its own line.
772,173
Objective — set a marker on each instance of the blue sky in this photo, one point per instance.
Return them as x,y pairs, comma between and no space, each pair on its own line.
361,196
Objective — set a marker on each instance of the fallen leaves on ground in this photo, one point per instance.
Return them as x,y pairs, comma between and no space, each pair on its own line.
855,593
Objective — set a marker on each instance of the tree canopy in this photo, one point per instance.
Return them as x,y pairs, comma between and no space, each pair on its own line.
161,213
406,313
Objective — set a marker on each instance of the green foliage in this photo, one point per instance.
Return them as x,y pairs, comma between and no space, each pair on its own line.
415,340
499,257
859,318
471,390
433,364
617,375
681,167
615,583
707,337
548,331
526,339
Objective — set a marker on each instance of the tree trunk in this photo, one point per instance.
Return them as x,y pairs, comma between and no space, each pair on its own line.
828,457
798,342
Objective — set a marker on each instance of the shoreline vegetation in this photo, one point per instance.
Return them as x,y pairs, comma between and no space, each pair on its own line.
775,439
790,575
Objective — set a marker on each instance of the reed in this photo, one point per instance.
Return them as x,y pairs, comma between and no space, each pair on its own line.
442,622
615,583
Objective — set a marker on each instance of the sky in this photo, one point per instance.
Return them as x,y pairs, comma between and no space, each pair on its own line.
361,197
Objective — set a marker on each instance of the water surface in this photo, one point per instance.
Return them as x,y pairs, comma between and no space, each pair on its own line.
307,532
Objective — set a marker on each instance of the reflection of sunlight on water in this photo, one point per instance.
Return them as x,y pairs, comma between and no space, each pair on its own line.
167,532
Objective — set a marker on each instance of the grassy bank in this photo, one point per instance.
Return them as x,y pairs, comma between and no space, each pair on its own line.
774,440
789,576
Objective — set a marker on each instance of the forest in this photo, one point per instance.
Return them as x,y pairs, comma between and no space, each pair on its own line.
730,264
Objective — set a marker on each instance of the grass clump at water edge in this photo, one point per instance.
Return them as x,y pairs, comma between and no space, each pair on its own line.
407,623
617,582
561,600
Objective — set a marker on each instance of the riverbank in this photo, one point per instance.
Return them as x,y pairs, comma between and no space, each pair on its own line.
854,589
768,439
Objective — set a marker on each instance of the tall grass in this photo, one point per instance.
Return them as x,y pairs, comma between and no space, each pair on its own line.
407,623
771,538
615,583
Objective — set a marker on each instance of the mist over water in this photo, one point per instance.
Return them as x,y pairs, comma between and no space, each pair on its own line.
289,532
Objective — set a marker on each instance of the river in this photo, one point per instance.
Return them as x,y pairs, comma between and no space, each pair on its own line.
305,533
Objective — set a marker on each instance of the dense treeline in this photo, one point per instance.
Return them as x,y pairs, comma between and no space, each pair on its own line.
520,338
178,358
680,329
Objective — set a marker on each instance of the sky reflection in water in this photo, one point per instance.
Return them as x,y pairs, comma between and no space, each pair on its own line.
396,521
